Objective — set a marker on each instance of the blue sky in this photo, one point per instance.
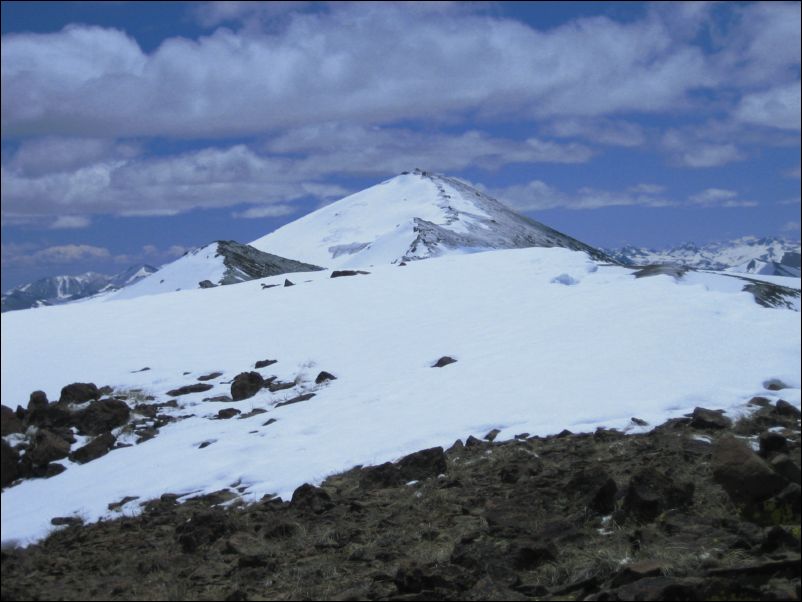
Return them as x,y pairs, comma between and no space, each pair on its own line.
132,131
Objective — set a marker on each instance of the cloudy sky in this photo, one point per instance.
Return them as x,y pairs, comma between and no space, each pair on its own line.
133,131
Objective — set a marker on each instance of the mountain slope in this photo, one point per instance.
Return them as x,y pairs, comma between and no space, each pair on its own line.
412,216
544,339
765,256
219,263
55,290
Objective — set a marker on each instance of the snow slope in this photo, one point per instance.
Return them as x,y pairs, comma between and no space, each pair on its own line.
545,340
412,216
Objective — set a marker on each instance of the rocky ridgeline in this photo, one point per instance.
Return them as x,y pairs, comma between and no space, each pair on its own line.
699,508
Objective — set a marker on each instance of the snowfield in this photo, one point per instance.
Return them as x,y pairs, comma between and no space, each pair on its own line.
545,340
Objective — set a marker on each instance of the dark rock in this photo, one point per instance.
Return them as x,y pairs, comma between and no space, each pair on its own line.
423,464
491,436
252,413
274,386
187,389
703,418
638,570
51,470
51,416
785,466
37,401
772,443
145,369
287,282
416,578
783,408
443,361
102,416
759,401
639,422
9,423
206,284
472,441
9,464
210,376
79,393
660,588
264,363
651,492
597,488
46,448
218,398
68,521
269,422
529,556
97,447
742,473
775,385
245,385
323,377
228,413
341,273
776,538
298,399
201,529
381,476
265,286
310,498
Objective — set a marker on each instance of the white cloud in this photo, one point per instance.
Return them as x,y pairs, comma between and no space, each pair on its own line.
537,195
70,222
793,172
778,107
599,131
790,227
689,149
266,211
719,197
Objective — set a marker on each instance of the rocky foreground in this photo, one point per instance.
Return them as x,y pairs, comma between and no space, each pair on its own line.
697,509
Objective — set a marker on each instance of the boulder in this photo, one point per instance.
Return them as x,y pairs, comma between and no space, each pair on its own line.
210,376
298,399
443,361
9,464
423,464
37,401
380,477
97,447
9,422
79,393
772,443
51,416
597,488
288,282
102,416
341,273
227,413
783,408
310,498
651,492
47,447
264,363
742,473
206,284
703,418
245,385
323,377
187,389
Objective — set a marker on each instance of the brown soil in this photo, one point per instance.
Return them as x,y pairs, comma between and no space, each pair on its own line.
599,516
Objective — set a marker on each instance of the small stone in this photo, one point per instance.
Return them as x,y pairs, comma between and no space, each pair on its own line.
99,446
264,363
444,361
703,418
210,376
323,377
783,408
246,384
742,473
491,436
79,393
228,413
772,443
423,464
37,401
287,282
187,389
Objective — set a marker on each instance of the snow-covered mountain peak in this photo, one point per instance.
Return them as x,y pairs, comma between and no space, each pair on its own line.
414,215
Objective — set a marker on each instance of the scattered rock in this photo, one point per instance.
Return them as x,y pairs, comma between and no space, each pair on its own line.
759,401
639,422
381,476
772,443
783,408
264,363
37,401
218,398
341,273
79,393
9,422
46,448
274,386
443,361
423,464
287,282
742,473
297,399
323,377
253,412
703,418
210,376
187,389
228,413
118,505
597,488
9,464
269,422
650,492
491,436
245,385
310,498
775,384
102,416
784,466
145,369
66,521
99,446
206,284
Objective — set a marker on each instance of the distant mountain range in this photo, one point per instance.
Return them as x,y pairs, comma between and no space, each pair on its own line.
56,290
749,255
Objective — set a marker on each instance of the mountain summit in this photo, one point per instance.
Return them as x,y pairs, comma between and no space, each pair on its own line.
415,215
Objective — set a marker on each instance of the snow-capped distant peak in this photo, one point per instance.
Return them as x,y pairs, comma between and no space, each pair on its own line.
412,216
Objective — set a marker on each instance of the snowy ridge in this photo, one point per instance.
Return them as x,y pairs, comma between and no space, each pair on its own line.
412,216
765,256
218,263
63,289
537,334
